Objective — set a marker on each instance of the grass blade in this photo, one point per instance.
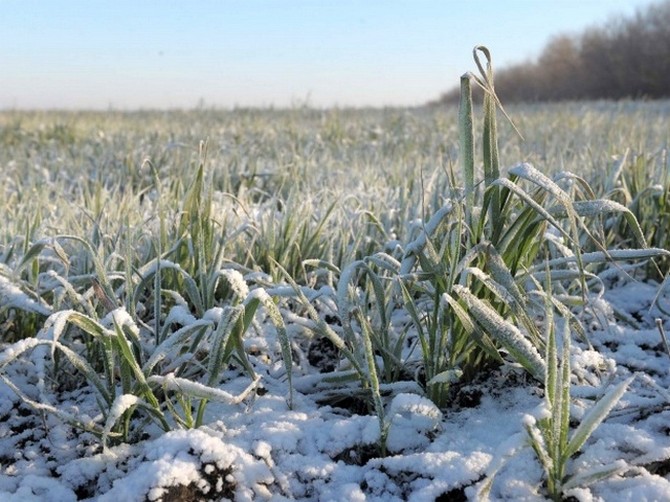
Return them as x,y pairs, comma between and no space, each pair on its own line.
521,350
595,416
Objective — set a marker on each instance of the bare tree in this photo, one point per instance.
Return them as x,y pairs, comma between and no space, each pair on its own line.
627,57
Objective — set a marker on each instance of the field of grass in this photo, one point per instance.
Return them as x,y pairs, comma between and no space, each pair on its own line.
162,263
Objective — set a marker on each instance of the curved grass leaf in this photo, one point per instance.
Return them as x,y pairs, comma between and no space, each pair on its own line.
201,391
278,322
219,342
174,341
508,335
595,416
590,476
121,405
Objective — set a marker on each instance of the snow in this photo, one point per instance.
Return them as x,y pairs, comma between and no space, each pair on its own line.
12,297
412,419
179,314
237,282
256,448
39,489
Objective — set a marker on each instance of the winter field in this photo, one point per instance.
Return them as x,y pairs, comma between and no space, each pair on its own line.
336,305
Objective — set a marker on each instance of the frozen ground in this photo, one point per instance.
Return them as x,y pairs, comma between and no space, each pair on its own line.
262,450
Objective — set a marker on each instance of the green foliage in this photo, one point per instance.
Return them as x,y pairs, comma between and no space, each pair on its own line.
143,257
550,436
128,375
91,335
641,183
462,275
469,262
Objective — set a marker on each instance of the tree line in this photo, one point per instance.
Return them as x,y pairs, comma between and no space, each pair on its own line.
625,58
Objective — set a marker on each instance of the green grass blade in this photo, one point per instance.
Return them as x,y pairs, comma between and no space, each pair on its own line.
564,420
372,378
508,335
590,476
594,417
276,318
172,342
467,140
220,337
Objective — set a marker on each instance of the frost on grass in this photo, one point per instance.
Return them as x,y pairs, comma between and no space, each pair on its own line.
315,452
320,449
12,297
237,282
195,389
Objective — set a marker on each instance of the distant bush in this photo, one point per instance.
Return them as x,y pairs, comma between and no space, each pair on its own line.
625,58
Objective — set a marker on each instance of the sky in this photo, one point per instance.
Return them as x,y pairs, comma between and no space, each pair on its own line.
144,54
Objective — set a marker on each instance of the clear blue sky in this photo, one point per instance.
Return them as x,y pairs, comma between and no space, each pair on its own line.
160,54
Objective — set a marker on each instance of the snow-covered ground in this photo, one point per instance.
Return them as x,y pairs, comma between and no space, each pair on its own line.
262,450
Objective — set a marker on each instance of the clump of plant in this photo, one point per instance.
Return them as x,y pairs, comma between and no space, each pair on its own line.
629,184
549,436
466,276
507,223
152,340
171,381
